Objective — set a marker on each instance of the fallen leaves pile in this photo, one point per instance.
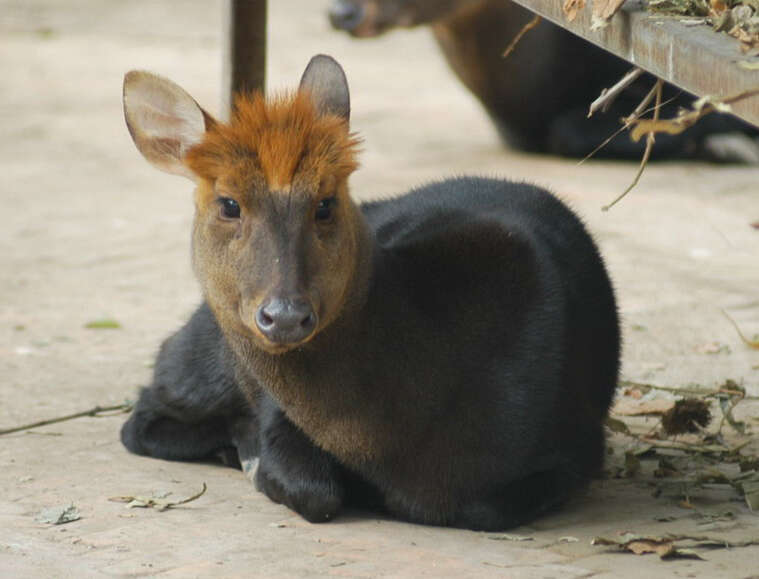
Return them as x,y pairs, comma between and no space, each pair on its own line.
670,546
738,18
689,454
695,445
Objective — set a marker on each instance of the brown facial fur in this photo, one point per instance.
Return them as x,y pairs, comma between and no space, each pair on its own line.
278,160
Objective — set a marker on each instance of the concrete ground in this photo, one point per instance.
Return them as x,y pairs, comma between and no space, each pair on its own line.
90,231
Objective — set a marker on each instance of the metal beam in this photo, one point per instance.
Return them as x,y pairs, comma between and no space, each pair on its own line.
694,58
244,65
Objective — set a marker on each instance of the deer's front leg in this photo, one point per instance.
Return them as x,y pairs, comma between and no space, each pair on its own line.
295,472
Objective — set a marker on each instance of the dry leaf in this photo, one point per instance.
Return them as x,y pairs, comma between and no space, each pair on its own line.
657,406
750,490
645,126
666,468
687,415
605,9
632,464
683,7
718,5
616,425
713,348
701,107
633,393
59,515
648,546
571,8
640,545
155,502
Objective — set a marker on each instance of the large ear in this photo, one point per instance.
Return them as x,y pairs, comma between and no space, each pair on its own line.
164,121
325,80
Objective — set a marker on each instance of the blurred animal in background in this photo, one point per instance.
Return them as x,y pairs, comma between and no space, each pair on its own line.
538,97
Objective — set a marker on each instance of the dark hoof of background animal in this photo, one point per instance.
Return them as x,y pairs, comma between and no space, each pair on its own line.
345,15
732,148
315,501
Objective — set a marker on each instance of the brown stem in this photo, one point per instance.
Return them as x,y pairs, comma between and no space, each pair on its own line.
524,30
646,154
609,94
126,407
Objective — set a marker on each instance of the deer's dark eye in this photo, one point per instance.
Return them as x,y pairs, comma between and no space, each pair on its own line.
230,209
324,209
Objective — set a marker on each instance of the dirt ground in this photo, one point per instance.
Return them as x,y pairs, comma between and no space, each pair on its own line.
91,232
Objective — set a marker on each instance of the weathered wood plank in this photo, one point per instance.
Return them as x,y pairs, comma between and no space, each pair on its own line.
692,57
244,66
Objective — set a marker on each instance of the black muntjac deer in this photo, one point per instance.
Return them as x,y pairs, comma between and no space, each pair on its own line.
446,357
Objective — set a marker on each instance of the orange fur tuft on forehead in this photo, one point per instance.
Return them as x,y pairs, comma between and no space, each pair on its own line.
277,139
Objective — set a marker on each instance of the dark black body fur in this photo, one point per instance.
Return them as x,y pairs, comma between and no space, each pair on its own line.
194,408
482,363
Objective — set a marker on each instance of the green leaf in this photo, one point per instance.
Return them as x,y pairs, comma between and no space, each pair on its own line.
103,324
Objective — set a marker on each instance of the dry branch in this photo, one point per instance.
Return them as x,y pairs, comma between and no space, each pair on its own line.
609,94
126,407
647,153
692,391
524,30
750,343
701,108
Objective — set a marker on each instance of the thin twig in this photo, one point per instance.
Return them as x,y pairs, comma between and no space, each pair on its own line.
705,392
699,448
646,154
609,94
126,407
524,30
197,495
673,444
750,343
603,144
628,121
713,542
641,108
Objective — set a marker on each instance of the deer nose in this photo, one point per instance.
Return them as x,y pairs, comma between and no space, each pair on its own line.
344,15
286,321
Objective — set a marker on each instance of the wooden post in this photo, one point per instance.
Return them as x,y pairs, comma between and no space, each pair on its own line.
244,66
